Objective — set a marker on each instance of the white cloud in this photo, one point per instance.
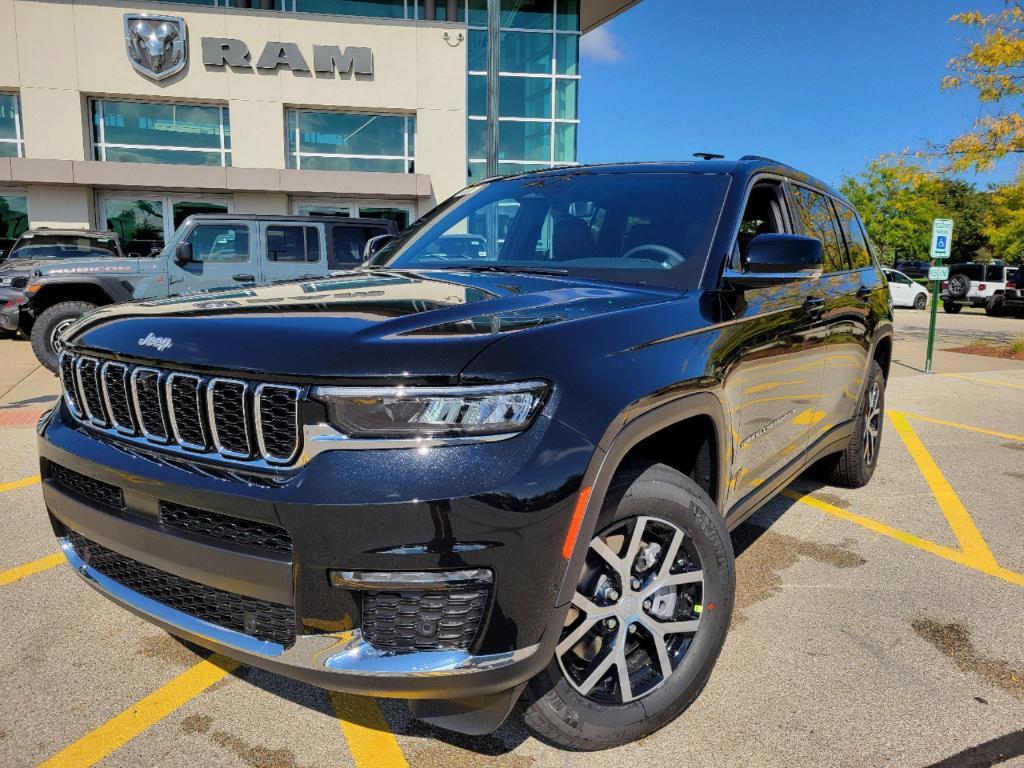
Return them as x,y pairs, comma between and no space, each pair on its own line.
601,45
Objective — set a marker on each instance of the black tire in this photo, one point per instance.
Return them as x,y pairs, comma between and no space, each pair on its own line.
920,301
49,324
854,467
994,306
951,307
958,286
556,710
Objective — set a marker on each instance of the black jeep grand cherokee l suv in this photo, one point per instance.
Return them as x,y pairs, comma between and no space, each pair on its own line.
470,478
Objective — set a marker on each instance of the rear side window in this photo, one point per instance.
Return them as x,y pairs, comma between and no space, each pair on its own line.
293,244
856,240
347,246
815,214
974,272
997,273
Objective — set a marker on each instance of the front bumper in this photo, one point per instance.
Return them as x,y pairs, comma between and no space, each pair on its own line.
508,511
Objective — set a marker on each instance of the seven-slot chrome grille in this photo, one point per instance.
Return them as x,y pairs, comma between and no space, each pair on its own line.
240,420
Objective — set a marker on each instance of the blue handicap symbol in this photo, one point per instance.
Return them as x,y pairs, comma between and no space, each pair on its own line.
940,243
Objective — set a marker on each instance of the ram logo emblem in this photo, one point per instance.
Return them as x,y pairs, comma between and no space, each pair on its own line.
157,45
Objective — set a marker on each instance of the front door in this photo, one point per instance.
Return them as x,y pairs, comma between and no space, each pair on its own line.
222,257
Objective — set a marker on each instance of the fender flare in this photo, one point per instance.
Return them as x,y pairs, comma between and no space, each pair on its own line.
110,285
612,448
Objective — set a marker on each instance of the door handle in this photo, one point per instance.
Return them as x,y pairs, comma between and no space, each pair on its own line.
864,292
243,278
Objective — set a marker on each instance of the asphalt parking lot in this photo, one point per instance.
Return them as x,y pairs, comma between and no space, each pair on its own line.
881,626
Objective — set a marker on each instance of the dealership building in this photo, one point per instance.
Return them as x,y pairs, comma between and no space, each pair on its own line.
132,116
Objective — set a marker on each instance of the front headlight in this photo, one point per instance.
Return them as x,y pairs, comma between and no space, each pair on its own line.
432,412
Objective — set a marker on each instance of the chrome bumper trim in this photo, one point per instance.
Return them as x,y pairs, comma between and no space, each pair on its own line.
344,654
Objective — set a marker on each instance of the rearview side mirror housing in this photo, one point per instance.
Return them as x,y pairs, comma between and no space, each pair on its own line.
776,259
183,254
374,245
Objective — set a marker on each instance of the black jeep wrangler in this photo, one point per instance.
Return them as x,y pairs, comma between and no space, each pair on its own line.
476,476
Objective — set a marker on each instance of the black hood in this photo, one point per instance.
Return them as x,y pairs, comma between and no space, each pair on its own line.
361,324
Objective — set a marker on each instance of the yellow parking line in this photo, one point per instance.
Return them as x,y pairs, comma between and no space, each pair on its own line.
954,555
146,712
369,738
984,381
958,425
966,532
14,485
20,572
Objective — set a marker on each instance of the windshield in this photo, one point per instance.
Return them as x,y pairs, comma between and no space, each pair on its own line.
33,246
629,227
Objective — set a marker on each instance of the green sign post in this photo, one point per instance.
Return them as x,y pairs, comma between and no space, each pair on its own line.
942,243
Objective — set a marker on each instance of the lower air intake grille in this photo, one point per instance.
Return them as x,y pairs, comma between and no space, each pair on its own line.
236,530
416,621
104,493
257,618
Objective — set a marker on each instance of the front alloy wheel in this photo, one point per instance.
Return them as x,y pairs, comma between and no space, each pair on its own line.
634,614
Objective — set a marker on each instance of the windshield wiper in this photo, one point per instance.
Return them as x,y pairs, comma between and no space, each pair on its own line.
510,269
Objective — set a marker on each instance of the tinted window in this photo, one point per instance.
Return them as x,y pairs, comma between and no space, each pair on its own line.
347,250
220,242
815,213
632,227
856,241
293,244
975,272
996,273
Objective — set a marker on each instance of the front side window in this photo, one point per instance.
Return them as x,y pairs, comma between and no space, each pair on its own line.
815,213
11,139
293,244
219,243
158,132
856,240
653,228
339,141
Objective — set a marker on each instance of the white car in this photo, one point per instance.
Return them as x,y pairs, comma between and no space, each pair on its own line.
904,291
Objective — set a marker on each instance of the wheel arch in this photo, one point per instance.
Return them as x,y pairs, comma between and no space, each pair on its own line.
91,290
651,435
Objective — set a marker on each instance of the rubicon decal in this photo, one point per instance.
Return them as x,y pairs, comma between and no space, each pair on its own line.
157,342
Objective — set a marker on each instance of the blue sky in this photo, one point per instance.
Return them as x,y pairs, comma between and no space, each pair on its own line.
824,86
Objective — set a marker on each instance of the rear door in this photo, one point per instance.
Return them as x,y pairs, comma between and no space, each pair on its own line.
291,251
222,257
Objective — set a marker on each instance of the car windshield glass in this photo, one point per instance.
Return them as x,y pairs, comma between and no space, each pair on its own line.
64,247
629,227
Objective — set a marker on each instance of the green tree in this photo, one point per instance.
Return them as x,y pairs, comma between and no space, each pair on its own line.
1005,221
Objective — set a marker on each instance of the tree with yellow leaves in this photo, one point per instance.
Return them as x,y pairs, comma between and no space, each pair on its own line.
994,67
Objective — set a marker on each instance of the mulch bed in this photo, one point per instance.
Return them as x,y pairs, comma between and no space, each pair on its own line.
989,350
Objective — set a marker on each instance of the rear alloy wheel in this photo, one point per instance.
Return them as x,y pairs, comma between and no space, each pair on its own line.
854,467
921,301
648,618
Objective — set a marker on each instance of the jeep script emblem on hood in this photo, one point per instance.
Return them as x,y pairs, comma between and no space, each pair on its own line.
157,342
157,45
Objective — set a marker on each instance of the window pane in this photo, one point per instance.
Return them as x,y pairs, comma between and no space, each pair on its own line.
477,139
568,55
509,169
8,116
816,216
13,219
388,9
524,141
525,52
139,224
856,242
351,134
159,125
565,142
478,95
9,149
398,215
182,209
347,248
353,164
527,14
170,156
220,243
525,97
477,172
568,15
312,209
295,244
566,99
476,56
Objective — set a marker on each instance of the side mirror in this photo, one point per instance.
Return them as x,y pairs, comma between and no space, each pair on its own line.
183,254
778,260
375,244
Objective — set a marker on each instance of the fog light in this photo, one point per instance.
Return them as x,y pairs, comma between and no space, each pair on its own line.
410,580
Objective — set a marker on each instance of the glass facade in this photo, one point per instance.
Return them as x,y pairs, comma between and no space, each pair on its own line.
160,132
538,89
13,219
11,139
344,141
144,224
